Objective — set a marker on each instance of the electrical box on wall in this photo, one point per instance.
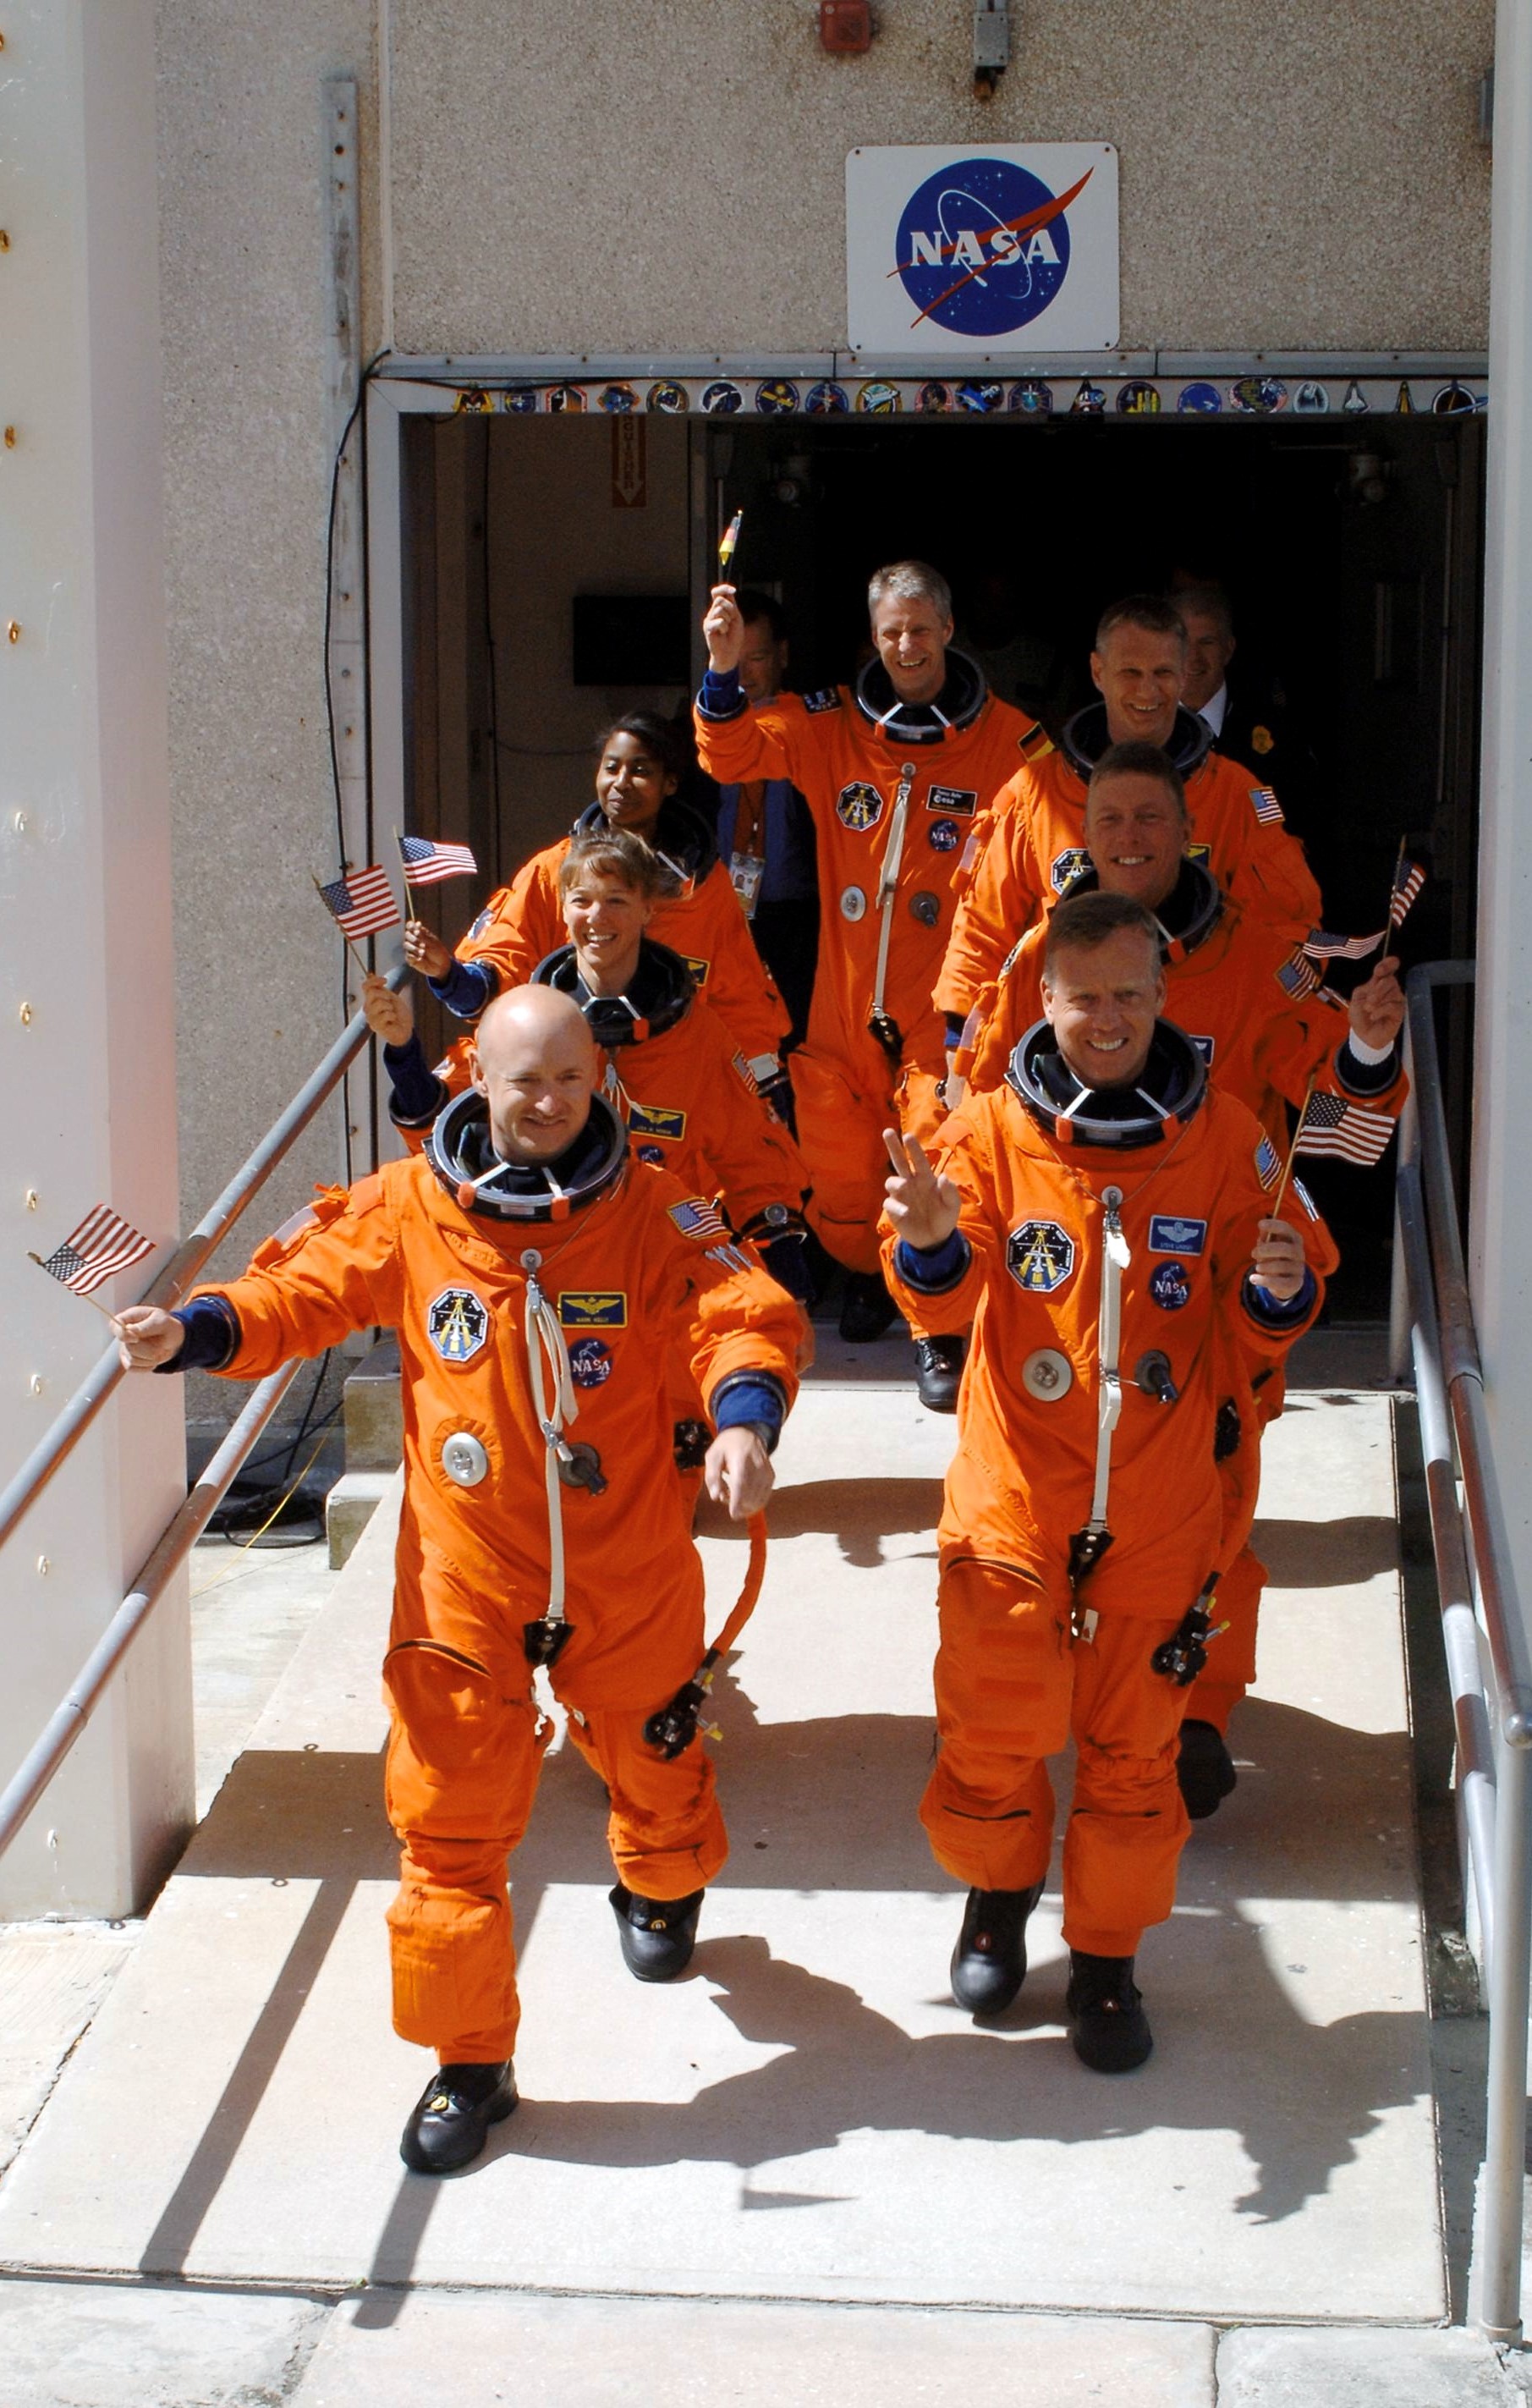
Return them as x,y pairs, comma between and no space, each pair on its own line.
845,26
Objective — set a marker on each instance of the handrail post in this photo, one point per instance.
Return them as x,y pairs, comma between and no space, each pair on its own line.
1509,1985
64,1726
1398,1293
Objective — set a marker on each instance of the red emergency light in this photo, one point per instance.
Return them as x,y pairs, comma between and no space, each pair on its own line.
845,26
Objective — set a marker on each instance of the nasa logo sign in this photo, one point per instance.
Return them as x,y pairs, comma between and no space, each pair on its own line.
988,252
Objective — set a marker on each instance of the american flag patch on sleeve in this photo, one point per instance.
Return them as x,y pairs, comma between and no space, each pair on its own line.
1297,975
1268,1168
1267,808
697,1218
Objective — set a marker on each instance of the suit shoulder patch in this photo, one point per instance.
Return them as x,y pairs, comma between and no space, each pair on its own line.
826,697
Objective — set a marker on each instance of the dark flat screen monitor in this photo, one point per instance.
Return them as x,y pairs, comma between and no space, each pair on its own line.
632,640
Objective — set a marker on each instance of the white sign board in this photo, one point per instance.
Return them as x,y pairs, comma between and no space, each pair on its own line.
982,252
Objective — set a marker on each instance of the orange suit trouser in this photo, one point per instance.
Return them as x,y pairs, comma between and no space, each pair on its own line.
1011,1687
1231,1656
841,1115
464,1755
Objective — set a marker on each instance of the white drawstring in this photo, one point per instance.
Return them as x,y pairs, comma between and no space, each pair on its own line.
888,882
1115,1259
546,1348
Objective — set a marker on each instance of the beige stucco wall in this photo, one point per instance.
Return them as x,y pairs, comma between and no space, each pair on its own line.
247,482
666,175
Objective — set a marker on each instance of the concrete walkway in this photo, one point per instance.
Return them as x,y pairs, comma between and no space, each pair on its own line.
801,2173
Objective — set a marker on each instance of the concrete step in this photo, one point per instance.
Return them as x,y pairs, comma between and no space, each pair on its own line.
348,1508
372,1417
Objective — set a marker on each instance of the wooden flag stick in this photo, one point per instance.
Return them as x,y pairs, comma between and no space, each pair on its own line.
1292,1153
404,873
345,939
1393,890
104,1310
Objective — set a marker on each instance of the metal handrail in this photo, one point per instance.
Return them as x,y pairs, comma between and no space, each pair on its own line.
181,1534
69,1718
1433,1323
181,1272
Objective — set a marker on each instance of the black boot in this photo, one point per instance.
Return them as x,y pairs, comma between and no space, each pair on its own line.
1204,1770
1108,2025
658,1934
452,2117
938,1369
867,1308
989,1963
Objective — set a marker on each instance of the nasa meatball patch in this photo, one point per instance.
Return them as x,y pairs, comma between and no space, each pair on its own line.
1039,1257
589,1363
1171,1287
457,1323
942,836
859,806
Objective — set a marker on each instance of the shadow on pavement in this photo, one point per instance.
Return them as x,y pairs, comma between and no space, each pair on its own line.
827,1805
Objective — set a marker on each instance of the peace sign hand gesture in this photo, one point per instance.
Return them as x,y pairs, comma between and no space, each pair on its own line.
923,1208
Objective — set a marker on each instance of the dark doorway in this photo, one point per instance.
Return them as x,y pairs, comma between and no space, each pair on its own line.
1352,554
1351,549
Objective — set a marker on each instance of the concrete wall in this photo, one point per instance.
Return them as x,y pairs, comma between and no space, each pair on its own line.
636,174
247,489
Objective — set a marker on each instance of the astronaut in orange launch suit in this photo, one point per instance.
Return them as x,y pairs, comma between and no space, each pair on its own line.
542,1521
1249,1004
638,769
1083,1525
1034,843
896,770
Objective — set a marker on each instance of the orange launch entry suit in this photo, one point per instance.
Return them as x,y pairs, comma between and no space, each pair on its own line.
1035,846
845,750
524,923
631,1275
1027,1654
1233,993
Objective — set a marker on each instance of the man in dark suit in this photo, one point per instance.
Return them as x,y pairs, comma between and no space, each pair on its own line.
1248,718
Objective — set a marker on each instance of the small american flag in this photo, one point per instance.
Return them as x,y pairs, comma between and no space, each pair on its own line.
1297,975
697,1218
102,1244
1267,808
362,902
1333,1125
1325,948
427,863
1408,880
